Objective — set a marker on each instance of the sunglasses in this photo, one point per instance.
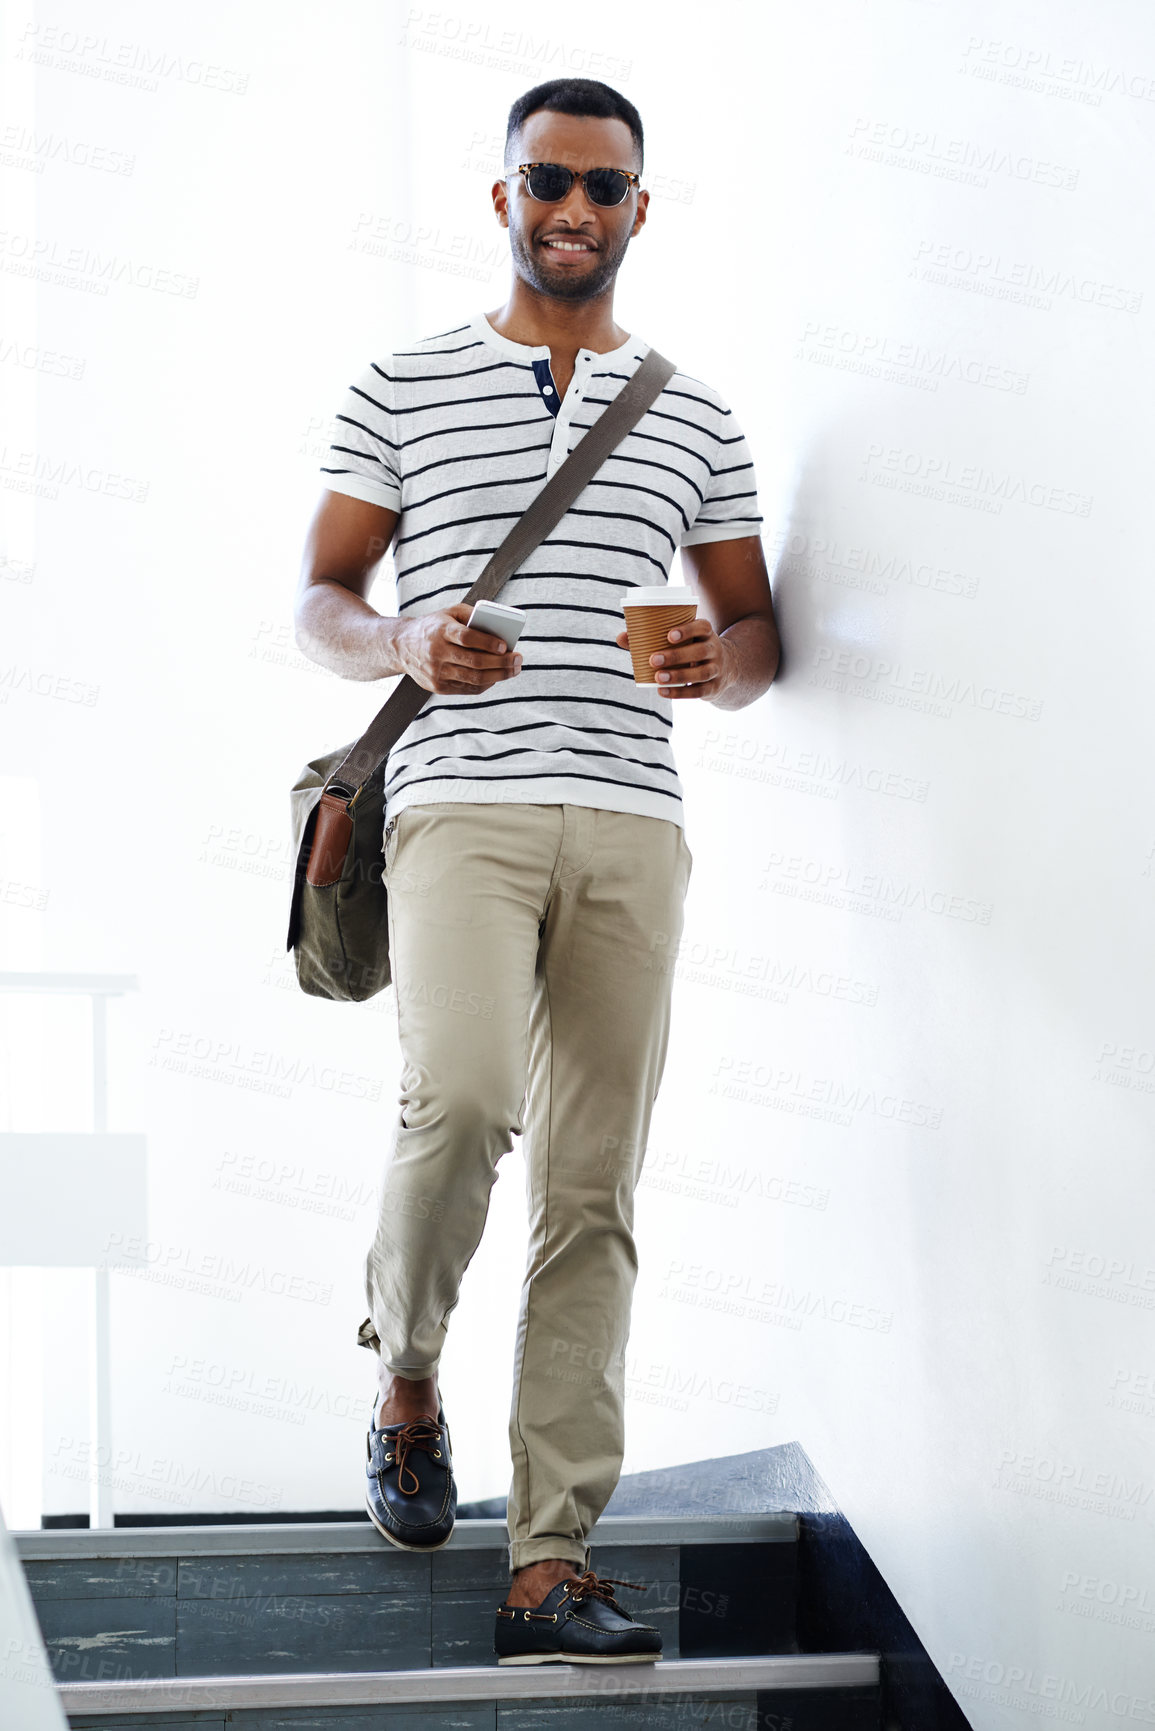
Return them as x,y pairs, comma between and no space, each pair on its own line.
549,182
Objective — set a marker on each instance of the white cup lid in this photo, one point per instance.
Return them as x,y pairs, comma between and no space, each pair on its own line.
659,594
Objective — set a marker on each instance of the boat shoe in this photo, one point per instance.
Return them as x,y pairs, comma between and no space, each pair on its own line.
579,1620
410,1494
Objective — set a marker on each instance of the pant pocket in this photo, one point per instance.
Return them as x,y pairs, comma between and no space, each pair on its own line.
389,841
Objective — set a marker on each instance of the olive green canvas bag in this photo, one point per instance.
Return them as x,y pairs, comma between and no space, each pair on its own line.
338,914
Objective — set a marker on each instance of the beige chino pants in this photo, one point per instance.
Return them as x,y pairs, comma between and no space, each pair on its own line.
532,950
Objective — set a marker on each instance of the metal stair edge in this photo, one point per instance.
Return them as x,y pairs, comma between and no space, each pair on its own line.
447,1684
775,1526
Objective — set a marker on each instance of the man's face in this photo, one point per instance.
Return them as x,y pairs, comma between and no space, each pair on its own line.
601,234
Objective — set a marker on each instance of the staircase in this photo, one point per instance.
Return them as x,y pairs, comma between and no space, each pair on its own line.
327,1627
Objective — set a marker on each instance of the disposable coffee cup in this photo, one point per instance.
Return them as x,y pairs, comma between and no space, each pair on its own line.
650,613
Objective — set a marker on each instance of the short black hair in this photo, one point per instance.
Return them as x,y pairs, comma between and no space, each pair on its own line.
581,96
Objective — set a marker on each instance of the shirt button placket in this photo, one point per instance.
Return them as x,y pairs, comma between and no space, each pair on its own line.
559,450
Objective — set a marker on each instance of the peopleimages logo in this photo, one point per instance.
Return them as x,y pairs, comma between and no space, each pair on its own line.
24,147
41,683
16,353
1017,1685
817,879
35,472
135,64
478,41
856,566
996,487
130,1469
206,1058
743,753
49,260
179,1264
1033,67
1116,1595
729,1289
892,680
1016,279
929,152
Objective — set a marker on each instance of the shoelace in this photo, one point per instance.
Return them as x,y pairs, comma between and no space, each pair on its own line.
589,1585
419,1433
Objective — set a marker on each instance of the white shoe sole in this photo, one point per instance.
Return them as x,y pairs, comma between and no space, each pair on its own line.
580,1658
400,1543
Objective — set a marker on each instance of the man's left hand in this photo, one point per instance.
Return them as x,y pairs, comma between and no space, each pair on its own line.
694,665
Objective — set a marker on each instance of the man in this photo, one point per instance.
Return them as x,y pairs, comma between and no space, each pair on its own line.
534,845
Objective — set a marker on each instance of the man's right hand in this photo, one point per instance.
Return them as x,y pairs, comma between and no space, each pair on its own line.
443,654
336,627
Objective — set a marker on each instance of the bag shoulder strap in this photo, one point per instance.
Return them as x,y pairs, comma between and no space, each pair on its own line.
549,506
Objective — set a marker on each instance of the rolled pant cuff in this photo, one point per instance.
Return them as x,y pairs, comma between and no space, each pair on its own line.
367,1336
523,1552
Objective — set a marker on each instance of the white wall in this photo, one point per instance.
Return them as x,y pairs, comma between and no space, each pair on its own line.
897,1203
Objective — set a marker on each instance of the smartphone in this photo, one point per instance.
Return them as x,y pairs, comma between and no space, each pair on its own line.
505,622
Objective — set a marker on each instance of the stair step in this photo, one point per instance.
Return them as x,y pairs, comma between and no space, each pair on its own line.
779,1526
556,1683
154,1604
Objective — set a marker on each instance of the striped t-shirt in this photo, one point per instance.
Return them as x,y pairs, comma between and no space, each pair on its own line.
458,434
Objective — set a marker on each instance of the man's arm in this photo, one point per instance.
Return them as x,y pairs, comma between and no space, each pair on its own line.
333,622
729,655
733,585
335,625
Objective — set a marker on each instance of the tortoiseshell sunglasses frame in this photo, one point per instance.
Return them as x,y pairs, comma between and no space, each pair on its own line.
523,168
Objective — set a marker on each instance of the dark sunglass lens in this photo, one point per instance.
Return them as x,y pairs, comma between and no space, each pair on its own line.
549,182
607,185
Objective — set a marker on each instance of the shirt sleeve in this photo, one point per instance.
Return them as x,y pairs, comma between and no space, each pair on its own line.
730,505
363,458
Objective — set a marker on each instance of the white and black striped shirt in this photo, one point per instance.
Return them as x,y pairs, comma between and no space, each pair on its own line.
458,434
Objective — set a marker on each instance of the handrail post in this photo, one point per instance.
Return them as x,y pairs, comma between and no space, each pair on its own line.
100,1499
97,988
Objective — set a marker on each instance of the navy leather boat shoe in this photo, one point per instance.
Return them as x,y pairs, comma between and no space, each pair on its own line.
578,1621
410,1494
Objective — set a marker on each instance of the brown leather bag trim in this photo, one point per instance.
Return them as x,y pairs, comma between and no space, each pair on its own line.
330,842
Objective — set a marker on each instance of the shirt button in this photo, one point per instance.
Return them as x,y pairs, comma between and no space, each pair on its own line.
548,390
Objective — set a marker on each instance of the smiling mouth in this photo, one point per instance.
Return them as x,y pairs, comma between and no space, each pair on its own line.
571,249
